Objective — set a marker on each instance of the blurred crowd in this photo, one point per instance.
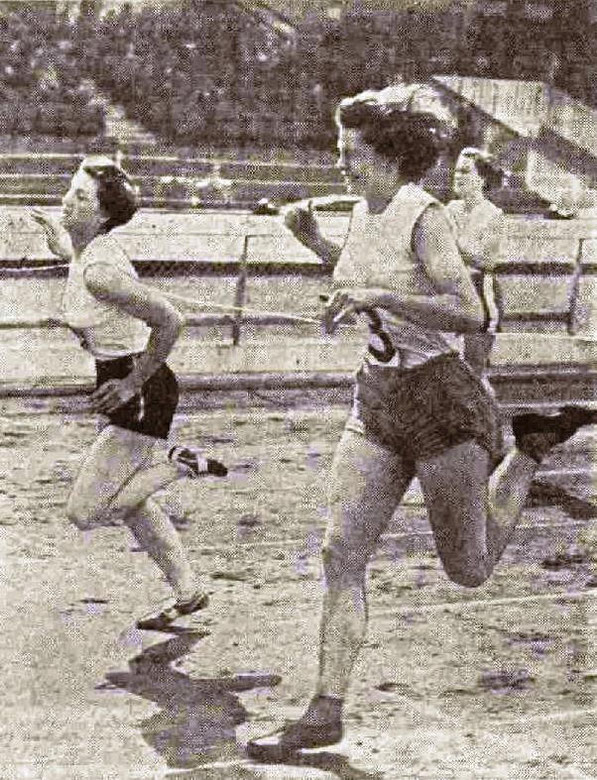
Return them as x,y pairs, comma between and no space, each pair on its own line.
211,73
41,83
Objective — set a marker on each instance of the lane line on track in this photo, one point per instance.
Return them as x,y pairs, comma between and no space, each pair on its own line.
475,603
301,543
569,715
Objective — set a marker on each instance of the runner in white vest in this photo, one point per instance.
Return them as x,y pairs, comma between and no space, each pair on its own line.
130,330
479,228
419,409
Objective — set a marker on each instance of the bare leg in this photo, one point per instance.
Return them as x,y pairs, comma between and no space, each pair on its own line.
508,489
116,476
367,484
473,516
117,480
158,537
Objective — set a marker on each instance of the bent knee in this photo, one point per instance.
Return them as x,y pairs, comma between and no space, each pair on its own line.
468,577
85,516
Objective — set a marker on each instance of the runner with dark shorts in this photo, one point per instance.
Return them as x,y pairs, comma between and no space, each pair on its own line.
419,409
130,330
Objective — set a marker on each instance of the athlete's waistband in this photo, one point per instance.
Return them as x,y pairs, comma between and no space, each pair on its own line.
116,358
405,360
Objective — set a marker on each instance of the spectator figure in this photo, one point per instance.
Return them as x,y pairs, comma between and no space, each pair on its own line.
478,226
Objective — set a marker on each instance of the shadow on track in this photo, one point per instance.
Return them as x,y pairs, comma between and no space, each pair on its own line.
198,717
334,763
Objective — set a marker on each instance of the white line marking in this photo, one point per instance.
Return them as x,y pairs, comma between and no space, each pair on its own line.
474,603
302,543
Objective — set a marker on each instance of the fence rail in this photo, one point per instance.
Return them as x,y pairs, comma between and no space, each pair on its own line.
254,310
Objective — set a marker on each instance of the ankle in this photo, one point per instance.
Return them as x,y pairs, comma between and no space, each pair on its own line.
185,594
324,707
536,445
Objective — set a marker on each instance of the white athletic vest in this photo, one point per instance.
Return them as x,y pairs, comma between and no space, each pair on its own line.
378,253
475,231
105,330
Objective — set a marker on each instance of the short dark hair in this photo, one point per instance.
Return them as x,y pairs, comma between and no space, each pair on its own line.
115,191
412,139
486,167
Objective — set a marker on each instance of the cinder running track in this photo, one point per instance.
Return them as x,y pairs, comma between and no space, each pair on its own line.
453,683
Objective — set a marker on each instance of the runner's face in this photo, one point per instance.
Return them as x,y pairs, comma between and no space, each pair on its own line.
357,160
467,179
80,205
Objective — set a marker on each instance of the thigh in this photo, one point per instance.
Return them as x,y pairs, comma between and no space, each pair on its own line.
366,484
116,455
455,487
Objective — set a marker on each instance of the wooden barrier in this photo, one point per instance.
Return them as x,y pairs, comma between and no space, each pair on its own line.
545,351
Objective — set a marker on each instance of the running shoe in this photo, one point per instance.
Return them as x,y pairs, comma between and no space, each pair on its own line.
159,621
319,726
536,434
196,463
295,736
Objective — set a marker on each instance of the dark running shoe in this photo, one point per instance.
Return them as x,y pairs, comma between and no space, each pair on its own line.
196,463
536,434
295,736
159,621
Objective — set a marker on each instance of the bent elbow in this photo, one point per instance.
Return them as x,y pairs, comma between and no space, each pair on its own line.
177,320
473,318
170,317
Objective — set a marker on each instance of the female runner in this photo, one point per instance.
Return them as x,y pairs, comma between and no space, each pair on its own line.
129,329
419,409
478,226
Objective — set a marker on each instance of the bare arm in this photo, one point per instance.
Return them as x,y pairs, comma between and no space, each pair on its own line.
112,286
300,219
455,307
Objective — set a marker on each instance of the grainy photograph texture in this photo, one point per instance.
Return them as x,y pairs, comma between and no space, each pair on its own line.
298,418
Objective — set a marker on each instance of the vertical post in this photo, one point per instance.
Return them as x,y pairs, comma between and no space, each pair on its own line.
240,293
575,320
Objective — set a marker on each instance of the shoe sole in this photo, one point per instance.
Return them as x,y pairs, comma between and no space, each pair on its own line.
278,752
162,622
278,755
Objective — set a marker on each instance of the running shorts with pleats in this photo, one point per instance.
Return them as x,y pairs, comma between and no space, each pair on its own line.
423,411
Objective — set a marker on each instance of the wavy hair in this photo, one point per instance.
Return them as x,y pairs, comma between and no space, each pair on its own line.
406,124
115,191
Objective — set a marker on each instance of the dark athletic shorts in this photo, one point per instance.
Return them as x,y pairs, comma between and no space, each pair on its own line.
420,412
151,411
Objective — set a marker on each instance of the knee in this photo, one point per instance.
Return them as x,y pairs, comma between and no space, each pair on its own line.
342,564
468,576
85,516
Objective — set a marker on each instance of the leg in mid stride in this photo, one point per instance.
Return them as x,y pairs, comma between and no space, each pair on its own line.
473,513
117,481
367,483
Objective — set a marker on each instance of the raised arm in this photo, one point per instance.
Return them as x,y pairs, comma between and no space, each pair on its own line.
300,219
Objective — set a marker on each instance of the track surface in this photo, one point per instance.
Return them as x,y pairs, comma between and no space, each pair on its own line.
495,682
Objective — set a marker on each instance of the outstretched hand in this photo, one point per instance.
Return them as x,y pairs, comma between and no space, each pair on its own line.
59,241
